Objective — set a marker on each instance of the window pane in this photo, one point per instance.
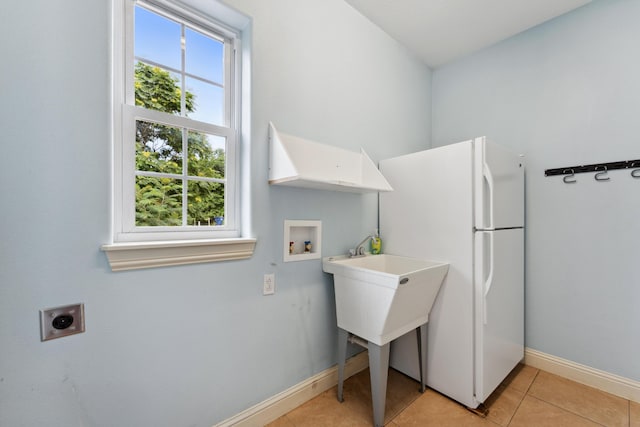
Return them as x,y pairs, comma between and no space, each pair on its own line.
157,39
206,203
158,148
158,201
208,102
206,155
158,89
204,56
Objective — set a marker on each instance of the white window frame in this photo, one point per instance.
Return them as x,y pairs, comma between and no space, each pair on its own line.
171,245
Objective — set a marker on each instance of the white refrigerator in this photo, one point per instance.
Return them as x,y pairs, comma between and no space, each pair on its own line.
462,204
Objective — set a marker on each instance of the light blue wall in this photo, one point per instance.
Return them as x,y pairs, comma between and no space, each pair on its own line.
190,345
566,93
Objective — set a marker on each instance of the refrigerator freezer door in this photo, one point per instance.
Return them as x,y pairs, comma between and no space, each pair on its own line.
499,299
499,183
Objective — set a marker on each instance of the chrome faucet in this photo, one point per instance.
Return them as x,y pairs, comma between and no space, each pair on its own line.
359,249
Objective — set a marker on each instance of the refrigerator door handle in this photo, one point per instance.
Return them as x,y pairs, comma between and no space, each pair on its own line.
488,196
489,281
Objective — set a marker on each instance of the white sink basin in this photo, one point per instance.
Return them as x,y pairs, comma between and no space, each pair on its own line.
381,297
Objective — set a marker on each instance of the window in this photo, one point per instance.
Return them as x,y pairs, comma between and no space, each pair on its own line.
179,133
176,116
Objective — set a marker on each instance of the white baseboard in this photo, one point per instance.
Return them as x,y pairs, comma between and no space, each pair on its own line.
278,405
614,384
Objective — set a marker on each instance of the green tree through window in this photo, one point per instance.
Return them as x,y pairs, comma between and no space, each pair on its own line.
160,158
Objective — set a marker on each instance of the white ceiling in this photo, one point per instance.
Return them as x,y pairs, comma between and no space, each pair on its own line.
439,31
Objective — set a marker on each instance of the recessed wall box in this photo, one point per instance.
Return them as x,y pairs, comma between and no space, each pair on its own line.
298,232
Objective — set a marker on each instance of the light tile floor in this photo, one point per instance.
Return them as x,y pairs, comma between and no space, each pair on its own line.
527,397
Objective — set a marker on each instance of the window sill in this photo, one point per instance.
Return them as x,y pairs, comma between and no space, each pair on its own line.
137,255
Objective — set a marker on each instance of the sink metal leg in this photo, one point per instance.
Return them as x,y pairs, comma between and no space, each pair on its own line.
379,370
421,333
343,337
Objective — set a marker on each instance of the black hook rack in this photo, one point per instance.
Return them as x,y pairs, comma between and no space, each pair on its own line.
596,167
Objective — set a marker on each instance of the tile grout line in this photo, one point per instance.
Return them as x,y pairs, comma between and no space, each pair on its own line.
516,410
526,392
569,411
575,413
392,420
532,381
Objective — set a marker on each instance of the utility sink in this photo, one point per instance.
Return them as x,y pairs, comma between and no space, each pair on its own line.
381,297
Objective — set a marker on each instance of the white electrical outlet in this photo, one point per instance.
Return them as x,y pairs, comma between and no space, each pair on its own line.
269,284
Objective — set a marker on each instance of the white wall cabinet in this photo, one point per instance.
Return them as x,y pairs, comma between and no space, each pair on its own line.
298,162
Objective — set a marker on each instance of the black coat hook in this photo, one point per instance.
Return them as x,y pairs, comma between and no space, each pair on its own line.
601,176
568,178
